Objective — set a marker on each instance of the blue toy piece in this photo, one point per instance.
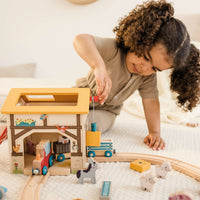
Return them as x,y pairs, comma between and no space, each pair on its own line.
105,192
3,190
108,154
94,127
44,170
61,157
51,160
91,154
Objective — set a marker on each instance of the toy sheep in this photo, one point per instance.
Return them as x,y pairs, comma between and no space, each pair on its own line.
147,181
161,171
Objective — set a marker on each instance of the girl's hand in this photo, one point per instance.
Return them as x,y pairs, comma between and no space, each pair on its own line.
104,83
154,141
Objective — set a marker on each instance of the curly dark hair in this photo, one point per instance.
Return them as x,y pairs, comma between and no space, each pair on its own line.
185,80
151,23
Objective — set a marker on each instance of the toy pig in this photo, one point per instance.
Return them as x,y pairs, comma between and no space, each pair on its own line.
183,195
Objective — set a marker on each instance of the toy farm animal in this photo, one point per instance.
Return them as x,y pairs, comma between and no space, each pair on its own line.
16,148
161,171
183,195
147,181
88,173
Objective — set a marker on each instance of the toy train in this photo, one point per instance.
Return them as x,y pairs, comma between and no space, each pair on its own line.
45,156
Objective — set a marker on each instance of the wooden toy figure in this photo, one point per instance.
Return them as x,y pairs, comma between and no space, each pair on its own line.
183,195
161,171
90,172
147,181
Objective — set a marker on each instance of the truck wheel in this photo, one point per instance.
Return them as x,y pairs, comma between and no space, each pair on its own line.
108,154
91,154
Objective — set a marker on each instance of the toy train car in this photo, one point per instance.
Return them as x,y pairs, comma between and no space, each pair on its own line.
61,150
105,149
44,158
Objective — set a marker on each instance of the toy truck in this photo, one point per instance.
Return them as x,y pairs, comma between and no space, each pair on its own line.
105,149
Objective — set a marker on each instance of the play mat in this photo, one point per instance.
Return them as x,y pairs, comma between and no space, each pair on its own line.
182,143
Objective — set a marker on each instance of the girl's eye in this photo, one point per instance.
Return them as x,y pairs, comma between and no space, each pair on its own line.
154,69
146,58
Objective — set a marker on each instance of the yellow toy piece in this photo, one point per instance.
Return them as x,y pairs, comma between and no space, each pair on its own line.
51,100
140,165
93,138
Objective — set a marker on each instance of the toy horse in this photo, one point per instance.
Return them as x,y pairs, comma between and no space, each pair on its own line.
161,172
88,173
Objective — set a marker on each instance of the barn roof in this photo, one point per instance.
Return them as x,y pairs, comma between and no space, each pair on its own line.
47,101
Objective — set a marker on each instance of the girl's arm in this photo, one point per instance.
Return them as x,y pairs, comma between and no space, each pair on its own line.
85,46
152,115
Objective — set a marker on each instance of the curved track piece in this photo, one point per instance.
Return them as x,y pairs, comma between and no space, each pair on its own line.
183,167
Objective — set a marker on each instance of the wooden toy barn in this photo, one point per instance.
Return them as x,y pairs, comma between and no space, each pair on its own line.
45,122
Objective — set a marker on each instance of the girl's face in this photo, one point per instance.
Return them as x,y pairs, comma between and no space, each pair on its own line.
156,60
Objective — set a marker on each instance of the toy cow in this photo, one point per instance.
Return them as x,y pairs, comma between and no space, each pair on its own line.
161,171
147,181
183,195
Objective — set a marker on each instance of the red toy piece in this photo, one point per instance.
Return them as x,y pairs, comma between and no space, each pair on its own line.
95,98
3,133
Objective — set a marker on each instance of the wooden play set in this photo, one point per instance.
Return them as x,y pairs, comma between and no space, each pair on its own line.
37,118
47,135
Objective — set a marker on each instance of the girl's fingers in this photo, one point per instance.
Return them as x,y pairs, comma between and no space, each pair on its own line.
146,141
152,141
157,143
105,92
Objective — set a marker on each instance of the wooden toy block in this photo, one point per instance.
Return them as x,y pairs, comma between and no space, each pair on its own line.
140,165
105,191
93,138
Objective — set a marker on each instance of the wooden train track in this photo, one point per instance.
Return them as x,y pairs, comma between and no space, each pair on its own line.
32,187
183,167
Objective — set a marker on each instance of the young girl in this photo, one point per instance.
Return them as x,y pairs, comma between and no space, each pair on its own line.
147,40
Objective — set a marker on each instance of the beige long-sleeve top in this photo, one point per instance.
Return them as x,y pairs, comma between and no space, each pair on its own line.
124,83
